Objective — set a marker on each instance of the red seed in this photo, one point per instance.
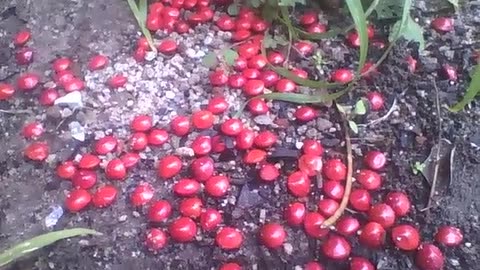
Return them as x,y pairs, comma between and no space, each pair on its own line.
167,46
275,58
245,139
257,107
217,105
182,27
115,170
229,238
24,56
369,179
368,70
217,186
75,84
248,50
236,81
32,130
22,37
336,248
254,156
84,179
169,166
342,76
257,62
429,257
300,73
191,207
312,265
139,54
155,8
218,78
310,164
304,48
375,160
170,12
449,236
383,214
298,184
399,202
335,169
251,73
272,235
97,62
253,87
183,229
186,187
138,141
155,239
159,211
259,25
327,207
312,147
372,235
47,96
157,137
210,219
202,145
77,200
313,225
375,100
153,22
305,114
141,123
405,237
333,189
89,161
106,145
308,18
359,263
180,125
63,77
218,145
104,196
130,159
269,78
412,64
117,81
347,225
443,24
353,39
6,91
232,127
449,72
225,23
202,119
241,35
360,199
240,64
285,86
37,151
317,28
28,81
61,64
295,213
66,170
142,194
265,139
268,172
202,168
230,266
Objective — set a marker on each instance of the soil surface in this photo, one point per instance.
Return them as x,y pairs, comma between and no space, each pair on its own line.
167,86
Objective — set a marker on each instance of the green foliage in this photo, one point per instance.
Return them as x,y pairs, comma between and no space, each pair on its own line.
273,41
360,108
472,91
290,3
454,3
353,126
210,60
411,31
233,9
140,13
229,56
40,241
356,11
389,9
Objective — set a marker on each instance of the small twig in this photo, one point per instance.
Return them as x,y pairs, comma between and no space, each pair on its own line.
348,185
15,111
376,121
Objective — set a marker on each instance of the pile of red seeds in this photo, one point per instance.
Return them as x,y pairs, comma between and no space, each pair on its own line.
252,76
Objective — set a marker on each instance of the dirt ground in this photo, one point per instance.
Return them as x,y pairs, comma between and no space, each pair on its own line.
165,87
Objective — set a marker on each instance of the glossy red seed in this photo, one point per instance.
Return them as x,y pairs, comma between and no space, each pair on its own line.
405,237
159,211
327,207
429,257
383,214
257,107
37,151
298,184
285,86
243,23
32,130
84,179
218,144
202,168
294,213
347,225
230,266
443,24
254,156
186,187
218,78
153,22
333,189
312,265
170,12
310,164
22,37
449,72
300,73
24,56
360,199
89,161
75,84
275,58
142,194
6,91
27,81
359,263
104,196
313,225
210,219
308,18
412,64
157,137
259,25
336,248
77,200
251,73
167,46
155,239
449,236
305,114
232,127
66,170
139,54
245,139
241,35
335,169
253,87
372,235
268,172
183,229
342,76
217,186
368,70
47,96
304,48
62,63
115,170
272,235
265,139
269,78
217,105
182,27
141,123
229,238
236,81
399,202
191,207
240,64
106,145
117,81
202,145
248,50
97,62
63,77
130,159
169,166
312,147
317,28
180,125
142,41
202,119
369,179
225,23
257,62
375,99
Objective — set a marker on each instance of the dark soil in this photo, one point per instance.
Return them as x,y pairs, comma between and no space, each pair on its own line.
79,29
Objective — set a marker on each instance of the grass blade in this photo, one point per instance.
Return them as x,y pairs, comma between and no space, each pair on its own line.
140,14
142,8
301,81
359,18
40,241
472,91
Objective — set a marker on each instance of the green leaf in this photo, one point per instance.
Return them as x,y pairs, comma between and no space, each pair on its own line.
230,56
356,11
269,41
233,9
454,3
210,60
143,8
360,108
411,31
418,167
353,126
40,241
389,9
290,3
340,108
472,91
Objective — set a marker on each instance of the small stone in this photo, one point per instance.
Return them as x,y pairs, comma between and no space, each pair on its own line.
122,218
288,248
208,40
323,124
72,100
170,94
150,55
136,214
185,152
77,131
263,120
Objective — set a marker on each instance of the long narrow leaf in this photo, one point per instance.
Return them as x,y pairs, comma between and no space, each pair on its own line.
142,8
472,91
142,20
40,241
356,11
